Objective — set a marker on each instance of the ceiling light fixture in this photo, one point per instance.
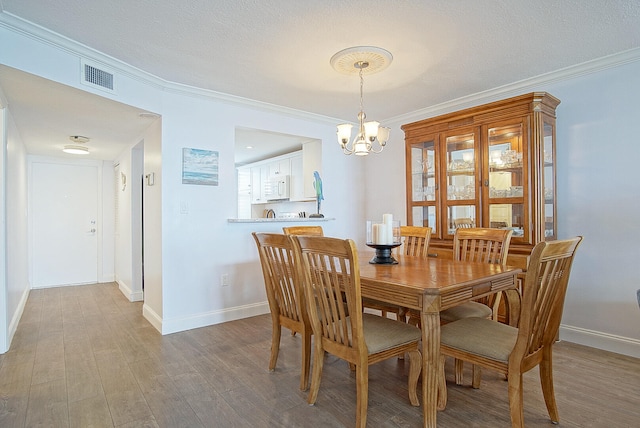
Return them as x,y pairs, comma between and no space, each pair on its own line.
77,149
361,59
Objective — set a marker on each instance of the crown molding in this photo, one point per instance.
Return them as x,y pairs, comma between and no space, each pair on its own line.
43,35
522,86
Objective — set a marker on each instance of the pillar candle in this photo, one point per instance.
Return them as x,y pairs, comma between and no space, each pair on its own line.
387,219
374,233
382,234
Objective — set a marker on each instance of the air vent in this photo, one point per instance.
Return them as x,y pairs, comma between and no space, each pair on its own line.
94,76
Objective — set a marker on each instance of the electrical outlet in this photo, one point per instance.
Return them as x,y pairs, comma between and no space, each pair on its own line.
224,279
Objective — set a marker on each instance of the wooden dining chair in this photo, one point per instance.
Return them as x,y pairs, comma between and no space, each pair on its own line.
462,223
285,296
516,350
329,269
415,242
303,230
483,245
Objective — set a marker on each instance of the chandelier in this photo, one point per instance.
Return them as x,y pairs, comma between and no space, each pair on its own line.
349,61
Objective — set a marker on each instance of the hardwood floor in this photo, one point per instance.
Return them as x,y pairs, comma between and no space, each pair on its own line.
84,356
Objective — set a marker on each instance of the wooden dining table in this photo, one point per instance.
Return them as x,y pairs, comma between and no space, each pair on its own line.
430,285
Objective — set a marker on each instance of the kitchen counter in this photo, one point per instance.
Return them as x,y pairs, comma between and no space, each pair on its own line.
279,220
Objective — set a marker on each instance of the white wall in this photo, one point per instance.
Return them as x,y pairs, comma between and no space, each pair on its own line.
152,219
598,194
198,243
123,216
17,279
599,198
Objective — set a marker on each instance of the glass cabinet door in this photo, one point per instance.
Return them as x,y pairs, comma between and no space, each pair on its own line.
424,186
461,180
548,179
506,184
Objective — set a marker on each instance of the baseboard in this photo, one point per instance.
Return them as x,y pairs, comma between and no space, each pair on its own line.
168,326
152,317
599,340
15,319
132,296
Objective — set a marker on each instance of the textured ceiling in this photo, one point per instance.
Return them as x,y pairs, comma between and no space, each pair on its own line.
278,51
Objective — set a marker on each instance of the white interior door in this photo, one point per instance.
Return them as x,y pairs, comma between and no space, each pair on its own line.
64,220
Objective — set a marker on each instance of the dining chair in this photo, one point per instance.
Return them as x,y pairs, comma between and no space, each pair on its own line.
303,230
329,269
484,245
415,242
516,350
285,296
462,223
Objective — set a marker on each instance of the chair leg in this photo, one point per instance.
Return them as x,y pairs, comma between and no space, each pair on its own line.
415,367
516,402
276,332
316,375
362,394
442,386
546,378
459,367
306,360
477,377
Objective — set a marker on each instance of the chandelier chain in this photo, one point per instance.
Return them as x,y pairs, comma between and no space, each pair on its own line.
361,91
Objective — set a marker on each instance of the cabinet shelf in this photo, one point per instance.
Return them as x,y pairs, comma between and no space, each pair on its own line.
507,200
509,168
459,172
424,174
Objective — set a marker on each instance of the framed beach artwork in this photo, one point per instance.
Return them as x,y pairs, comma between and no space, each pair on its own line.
199,167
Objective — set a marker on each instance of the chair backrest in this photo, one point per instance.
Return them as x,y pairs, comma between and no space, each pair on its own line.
284,294
462,223
303,230
331,280
483,245
416,240
544,291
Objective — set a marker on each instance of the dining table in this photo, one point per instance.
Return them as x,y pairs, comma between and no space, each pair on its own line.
428,286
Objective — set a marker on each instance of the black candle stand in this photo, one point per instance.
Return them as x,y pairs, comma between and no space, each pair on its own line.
383,254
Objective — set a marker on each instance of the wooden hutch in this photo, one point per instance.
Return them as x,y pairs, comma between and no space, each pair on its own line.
486,166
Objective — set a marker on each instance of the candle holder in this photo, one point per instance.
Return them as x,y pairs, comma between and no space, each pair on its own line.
383,254
383,237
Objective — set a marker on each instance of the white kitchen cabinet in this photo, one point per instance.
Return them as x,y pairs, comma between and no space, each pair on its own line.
297,178
299,166
244,192
259,178
279,168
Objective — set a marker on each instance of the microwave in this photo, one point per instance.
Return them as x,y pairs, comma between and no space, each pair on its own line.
277,188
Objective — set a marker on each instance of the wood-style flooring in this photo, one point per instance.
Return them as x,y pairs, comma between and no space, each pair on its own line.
84,356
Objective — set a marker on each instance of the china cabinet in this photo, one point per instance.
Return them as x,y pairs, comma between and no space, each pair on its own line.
487,166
